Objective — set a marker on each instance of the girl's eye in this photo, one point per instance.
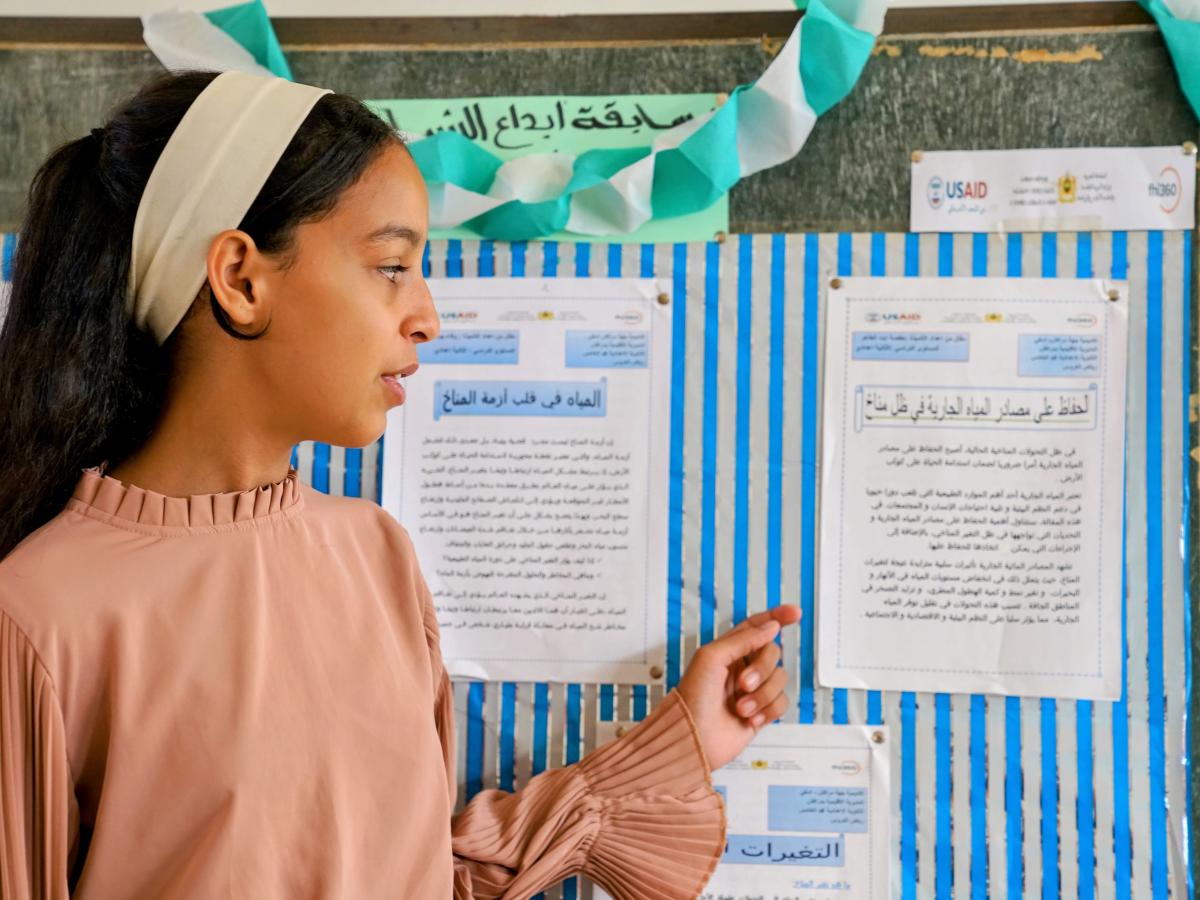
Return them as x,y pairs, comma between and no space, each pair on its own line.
390,271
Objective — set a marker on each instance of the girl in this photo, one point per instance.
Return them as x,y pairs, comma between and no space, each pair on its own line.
215,682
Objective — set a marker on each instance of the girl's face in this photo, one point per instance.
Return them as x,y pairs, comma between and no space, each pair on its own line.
347,315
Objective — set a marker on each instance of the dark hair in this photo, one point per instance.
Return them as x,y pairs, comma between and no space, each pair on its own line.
79,383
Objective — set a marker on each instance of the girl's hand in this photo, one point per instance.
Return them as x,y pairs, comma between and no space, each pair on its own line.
734,684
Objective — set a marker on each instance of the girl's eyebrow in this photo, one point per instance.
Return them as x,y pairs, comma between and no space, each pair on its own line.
395,232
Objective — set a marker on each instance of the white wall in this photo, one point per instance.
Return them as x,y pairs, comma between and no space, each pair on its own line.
444,8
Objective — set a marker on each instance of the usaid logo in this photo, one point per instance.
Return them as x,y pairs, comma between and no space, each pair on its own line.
937,192
453,316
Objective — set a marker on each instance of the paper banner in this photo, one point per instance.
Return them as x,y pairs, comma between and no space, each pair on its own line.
599,192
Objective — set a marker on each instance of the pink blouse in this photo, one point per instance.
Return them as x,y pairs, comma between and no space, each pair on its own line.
241,695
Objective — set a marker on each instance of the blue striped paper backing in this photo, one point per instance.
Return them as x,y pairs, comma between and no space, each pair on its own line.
745,391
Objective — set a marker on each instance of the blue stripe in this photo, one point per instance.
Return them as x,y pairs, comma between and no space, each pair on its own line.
320,467
1083,255
978,749
908,705
486,264
640,698
426,268
379,470
878,269
1013,777
1049,254
708,494
945,259
641,692
1049,710
474,739
1154,557
979,843
487,259
454,263
1014,256
550,259
1013,789
614,260
1186,553
943,794
574,736
517,251
6,264
583,259
845,253
352,478
1085,806
675,497
295,460
775,422
1122,851
508,735
808,472
741,465
845,266
1049,726
908,796
912,255
1122,839
541,722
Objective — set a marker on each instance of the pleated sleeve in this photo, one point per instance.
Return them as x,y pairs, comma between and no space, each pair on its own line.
38,814
638,816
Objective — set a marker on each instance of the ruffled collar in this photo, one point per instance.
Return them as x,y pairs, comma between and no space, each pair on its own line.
96,492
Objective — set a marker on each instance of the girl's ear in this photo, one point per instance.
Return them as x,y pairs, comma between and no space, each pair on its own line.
233,259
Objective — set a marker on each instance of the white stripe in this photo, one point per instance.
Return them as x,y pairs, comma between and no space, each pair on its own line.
760,431
792,479
693,444
337,470
726,436
1031,795
1102,713
926,763
1175,636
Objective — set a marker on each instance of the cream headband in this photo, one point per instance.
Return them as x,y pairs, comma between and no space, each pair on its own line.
215,163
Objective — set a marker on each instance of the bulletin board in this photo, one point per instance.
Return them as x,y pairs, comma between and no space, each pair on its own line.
994,796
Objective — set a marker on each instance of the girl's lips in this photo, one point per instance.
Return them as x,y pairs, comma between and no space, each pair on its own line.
395,387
